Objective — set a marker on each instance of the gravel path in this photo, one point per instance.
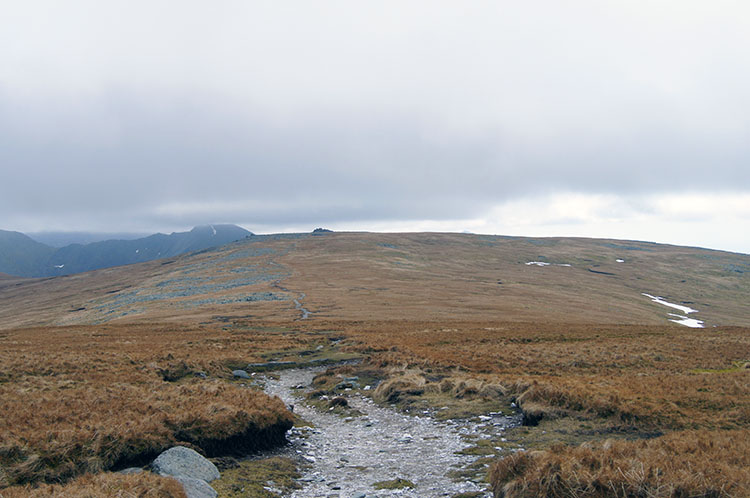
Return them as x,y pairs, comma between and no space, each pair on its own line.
348,455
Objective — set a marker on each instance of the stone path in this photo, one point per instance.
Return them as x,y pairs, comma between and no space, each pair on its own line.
347,455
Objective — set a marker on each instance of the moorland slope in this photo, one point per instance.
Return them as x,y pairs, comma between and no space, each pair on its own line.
362,276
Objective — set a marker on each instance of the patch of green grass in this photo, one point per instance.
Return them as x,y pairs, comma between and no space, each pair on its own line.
476,471
250,478
479,449
569,431
324,405
301,422
394,484
448,407
736,367
301,358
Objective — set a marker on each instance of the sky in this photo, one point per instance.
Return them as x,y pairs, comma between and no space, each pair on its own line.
619,119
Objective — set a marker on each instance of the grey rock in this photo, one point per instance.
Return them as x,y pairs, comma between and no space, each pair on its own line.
196,488
131,470
406,438
180,461
240,374
347,385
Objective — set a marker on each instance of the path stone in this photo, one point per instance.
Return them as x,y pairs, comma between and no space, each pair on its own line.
131,470
196,488
180,461
240,374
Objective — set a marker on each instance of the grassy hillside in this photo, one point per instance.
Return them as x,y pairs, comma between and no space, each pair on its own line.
405,276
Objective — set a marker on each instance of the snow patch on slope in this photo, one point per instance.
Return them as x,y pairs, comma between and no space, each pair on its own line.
682,320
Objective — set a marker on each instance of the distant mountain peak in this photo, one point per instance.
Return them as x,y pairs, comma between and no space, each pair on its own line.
22,256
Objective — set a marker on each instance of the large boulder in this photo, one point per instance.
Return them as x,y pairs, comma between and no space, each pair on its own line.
180,461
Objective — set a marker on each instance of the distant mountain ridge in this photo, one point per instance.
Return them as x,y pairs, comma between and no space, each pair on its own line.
22,256
62,239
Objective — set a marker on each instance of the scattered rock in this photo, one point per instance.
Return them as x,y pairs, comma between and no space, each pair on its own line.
240,374
346,385
196,488
180,461
406,438
131,470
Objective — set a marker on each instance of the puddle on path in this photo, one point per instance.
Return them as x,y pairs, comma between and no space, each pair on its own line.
347,455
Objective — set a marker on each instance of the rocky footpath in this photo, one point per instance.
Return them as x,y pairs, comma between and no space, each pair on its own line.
382,453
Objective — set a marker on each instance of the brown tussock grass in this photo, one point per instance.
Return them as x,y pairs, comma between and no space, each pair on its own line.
397,386
89,399
681,464
641,380
663,377
144,485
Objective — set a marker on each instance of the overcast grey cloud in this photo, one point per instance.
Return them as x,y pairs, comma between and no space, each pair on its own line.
540,118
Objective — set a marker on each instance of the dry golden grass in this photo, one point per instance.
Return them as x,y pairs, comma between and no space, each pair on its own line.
709,464
650,376
144,485
88,399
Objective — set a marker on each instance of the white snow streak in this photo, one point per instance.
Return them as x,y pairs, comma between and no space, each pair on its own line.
682,320
542,263
688,322
684,309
